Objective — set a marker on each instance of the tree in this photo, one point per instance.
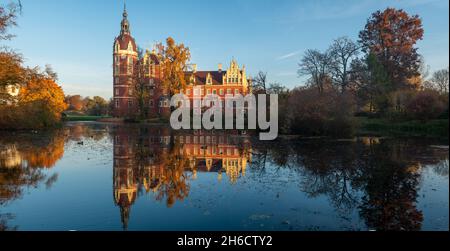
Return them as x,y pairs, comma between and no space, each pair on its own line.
50,72
260,82
141,89
8,16
342,52
75,102
391,35
11,73
42,93
175,58
372,82
96,106
316,65
276,88
440,82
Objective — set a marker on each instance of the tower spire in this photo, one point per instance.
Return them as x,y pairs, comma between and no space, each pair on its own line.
125,25
125,14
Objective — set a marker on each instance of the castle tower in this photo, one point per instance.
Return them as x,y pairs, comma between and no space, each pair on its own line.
124,176
125,58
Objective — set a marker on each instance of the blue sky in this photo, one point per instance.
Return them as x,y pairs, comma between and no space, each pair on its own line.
76,36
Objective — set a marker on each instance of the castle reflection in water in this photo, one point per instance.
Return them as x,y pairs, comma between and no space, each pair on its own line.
161,161
387,183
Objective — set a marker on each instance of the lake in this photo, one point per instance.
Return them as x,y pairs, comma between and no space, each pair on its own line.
98,176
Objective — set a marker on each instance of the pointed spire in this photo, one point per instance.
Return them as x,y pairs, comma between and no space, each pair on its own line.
125,25
125,14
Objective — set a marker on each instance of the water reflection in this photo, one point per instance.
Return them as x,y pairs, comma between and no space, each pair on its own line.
377,178
22,158
380,177
163,162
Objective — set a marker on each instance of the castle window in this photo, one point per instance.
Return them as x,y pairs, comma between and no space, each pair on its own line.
117,92
130,65
236,91
151,92
188,92
117,104
130,103
208,91
196,92
151,103
221,91
228,91
130,92
116,69
214,91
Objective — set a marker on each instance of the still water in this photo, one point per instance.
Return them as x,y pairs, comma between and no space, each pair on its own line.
94,176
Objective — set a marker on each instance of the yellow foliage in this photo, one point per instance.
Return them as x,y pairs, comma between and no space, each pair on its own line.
175,58
44,90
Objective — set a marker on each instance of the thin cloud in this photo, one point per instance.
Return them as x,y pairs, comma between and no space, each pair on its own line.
289,55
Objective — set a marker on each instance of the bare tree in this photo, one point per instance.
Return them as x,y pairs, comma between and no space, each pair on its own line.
8,17
440,80
316,65
260,82
342,52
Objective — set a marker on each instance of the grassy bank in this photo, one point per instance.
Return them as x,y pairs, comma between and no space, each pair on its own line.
432,129
83,118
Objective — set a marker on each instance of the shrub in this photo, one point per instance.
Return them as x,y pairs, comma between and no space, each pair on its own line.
328,113
425,105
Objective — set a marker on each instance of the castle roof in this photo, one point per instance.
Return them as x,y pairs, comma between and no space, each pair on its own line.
124,40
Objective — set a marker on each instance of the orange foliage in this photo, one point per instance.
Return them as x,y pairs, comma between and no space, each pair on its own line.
47,156
44,90
391,35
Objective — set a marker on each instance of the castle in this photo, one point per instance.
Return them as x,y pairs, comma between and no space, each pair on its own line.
148,160
199,83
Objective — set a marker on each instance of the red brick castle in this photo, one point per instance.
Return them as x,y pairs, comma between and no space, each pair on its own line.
200,83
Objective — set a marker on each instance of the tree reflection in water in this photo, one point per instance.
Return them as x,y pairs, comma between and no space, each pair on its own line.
25,155
379,179
22,158
164,162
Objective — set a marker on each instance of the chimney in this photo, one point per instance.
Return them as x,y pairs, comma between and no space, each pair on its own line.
220,67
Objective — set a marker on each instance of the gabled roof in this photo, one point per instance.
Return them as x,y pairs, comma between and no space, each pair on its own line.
200,77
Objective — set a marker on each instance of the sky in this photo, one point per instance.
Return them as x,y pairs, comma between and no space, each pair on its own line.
76,36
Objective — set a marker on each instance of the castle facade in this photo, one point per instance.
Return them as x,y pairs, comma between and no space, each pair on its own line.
127,61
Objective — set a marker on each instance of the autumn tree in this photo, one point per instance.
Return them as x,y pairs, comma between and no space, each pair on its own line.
75,102
43,93
11,73
391,36
342,52
316,65
175,58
